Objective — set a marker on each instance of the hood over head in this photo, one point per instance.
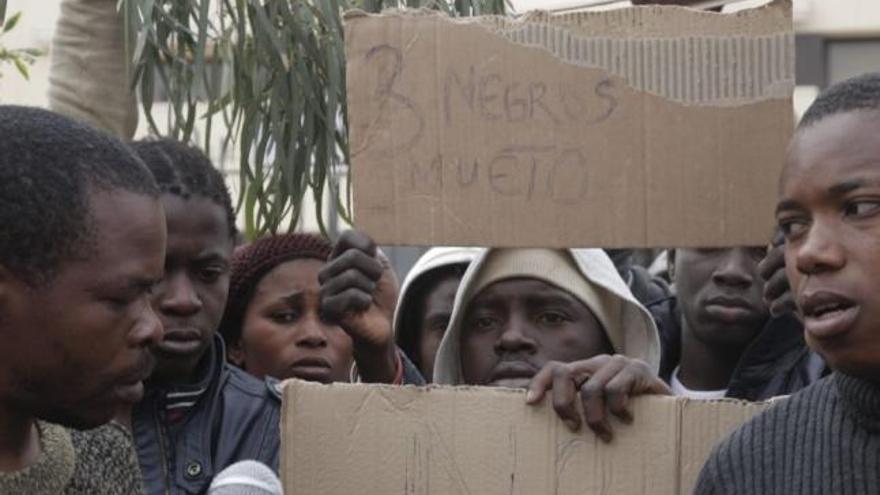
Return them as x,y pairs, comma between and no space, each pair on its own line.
587,274
434,259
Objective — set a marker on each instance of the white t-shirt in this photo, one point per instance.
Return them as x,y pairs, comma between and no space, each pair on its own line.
681,391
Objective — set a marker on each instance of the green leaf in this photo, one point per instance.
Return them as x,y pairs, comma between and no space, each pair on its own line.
2,11
10,24
22,68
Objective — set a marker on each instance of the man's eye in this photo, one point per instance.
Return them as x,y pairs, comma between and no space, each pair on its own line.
483,323
118,302
439,324
758,253
552,318
792,227
861,208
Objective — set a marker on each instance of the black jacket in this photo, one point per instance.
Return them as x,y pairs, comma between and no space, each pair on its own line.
237,417
778,362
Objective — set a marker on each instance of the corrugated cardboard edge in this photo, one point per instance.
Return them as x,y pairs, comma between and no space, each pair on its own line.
724,60
686,477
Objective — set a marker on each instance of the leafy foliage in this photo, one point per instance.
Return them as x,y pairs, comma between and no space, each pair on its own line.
271,73
21,58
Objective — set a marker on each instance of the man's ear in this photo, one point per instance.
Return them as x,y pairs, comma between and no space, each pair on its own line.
8,281
235,354
10,285
670,264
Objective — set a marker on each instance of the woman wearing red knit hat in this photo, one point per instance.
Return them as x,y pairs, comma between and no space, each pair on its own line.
281,321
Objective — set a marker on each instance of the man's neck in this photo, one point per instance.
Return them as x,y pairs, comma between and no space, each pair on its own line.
177,378
703,367
20,441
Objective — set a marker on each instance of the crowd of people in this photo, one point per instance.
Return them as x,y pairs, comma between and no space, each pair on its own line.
144,342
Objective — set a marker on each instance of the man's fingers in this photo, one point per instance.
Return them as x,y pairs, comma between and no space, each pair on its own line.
564,395
617,394
336,307
593,396
782,305
540,383
349,279
356,240
772,263
581,370
352,259
776,285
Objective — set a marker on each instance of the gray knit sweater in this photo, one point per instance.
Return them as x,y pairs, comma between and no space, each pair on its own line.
71,462
823,440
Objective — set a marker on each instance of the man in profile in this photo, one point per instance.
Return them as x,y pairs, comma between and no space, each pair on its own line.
82,245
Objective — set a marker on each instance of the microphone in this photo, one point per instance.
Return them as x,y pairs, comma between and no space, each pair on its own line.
246,478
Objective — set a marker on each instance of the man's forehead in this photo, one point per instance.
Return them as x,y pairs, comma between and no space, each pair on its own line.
833,148
525,288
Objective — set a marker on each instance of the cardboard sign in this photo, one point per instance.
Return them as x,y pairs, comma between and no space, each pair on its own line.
644,126
342,439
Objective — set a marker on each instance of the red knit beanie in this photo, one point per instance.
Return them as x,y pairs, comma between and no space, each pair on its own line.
250,263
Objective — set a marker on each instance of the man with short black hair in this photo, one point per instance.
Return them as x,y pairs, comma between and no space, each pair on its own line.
717,334
200,414
825,438
81,247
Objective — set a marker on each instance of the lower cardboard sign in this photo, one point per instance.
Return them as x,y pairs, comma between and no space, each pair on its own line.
379,439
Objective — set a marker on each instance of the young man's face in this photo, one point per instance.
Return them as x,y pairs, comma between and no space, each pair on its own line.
512,328
77,348
720,293
439,298
191,298
829,211
283,334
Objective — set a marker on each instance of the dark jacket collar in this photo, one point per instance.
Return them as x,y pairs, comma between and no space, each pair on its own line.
776,362
207,371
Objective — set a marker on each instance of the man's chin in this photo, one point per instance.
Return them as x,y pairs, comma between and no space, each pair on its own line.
511,382
78,419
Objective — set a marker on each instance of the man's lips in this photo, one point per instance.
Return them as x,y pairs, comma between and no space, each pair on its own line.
506,371
180,341
827,314
130,390
730,308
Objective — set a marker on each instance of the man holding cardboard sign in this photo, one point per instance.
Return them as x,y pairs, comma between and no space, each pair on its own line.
548,319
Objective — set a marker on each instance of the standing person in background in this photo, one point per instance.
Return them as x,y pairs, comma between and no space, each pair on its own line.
276,323
81,247
645,287
825,438
425,303
200,414
717,334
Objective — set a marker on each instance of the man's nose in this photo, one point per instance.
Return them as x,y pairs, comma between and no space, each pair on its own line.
819,250
736,269
148,330
515,337
178,296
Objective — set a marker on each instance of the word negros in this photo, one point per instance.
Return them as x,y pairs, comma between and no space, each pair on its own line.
488,96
